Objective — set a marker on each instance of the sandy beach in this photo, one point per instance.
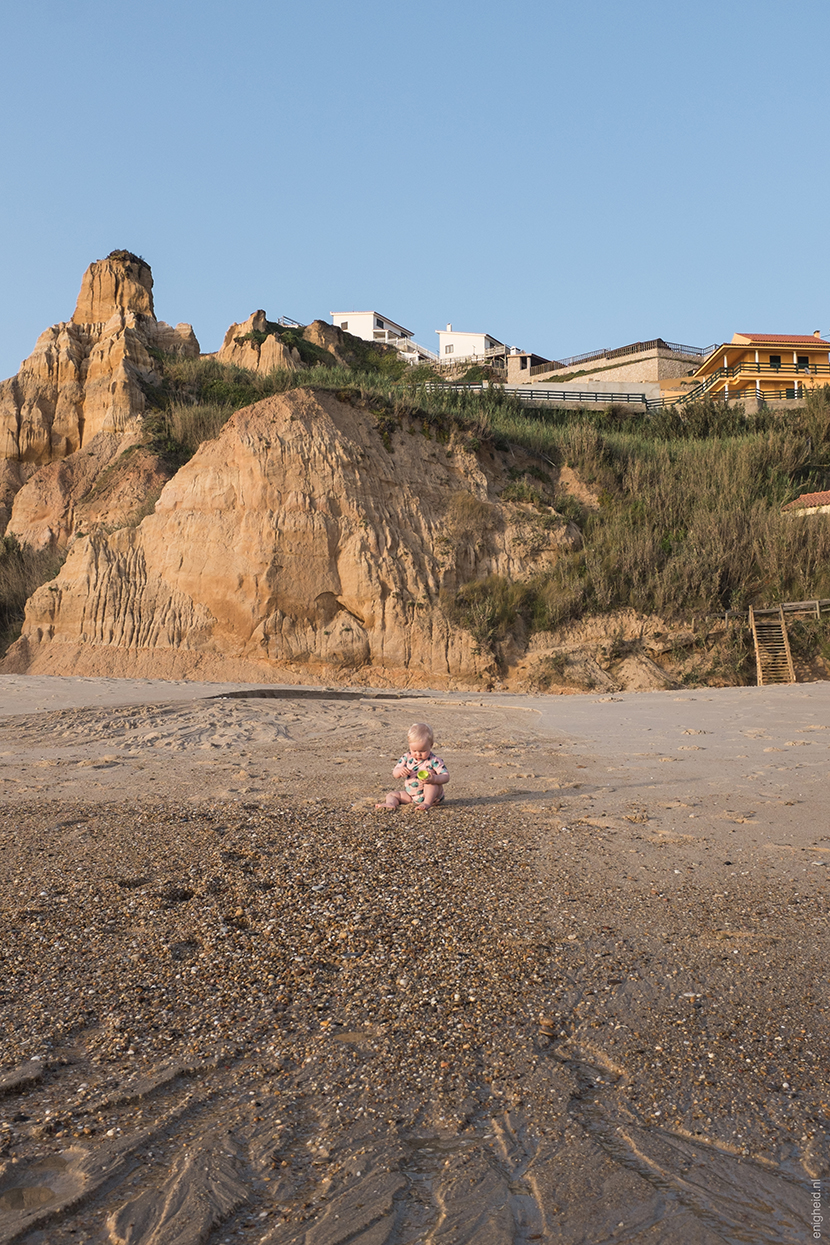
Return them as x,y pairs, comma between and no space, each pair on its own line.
584,1001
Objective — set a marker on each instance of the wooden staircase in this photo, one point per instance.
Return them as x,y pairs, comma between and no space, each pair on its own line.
773,659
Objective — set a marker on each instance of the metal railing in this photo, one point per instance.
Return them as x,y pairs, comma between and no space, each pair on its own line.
468,360
526,394
698,352
573,359
750,368
657,343
490,355
285,322
793,393
407,345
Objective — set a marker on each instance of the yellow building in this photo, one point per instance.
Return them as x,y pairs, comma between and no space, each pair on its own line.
765,366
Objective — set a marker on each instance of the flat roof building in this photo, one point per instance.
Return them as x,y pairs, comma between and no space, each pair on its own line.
452,344
369,325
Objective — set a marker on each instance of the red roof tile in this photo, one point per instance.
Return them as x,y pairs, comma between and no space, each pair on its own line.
806,500
801,339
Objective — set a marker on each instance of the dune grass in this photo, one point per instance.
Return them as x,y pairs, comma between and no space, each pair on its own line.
688,522
689,518
22,570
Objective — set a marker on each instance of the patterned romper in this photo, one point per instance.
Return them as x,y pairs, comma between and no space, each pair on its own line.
413,786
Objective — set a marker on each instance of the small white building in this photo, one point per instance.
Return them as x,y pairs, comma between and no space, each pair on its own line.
466,345
369,325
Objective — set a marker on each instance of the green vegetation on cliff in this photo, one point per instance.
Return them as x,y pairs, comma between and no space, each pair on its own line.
688,516
688,519
22,570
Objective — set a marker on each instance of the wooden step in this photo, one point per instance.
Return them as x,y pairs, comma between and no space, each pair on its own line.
773,659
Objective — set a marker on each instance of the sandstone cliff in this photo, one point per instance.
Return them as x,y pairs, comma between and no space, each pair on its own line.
313,537
84,378
250,345
121,282
345,348
110,482
253,345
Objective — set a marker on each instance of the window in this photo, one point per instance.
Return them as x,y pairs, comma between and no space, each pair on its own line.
379,323
449,349
803,363
775,360
344,324
523,362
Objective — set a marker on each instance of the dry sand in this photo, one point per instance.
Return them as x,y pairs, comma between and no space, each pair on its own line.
240,1005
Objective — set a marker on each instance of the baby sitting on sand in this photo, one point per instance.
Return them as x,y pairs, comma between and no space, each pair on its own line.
423,772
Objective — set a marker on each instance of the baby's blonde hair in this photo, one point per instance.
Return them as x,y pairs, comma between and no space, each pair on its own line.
420,732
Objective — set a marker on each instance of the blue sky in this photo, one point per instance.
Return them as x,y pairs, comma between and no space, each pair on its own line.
563,177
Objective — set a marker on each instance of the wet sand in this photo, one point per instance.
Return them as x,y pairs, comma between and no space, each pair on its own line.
585,1001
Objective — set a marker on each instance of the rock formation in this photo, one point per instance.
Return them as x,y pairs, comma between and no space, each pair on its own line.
253,345
314,537
111,481
250,345
345,348
330,337
84,378
120,283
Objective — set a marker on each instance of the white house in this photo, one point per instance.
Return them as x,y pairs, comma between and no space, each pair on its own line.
369,325
466,345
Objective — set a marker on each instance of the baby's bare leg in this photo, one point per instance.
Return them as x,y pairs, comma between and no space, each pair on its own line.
432,794
394,799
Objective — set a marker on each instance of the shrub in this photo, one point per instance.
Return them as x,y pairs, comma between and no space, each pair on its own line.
468,514
815,419
196,398
520,490
128,257
488,608
22,570
191,425
569,507
311,354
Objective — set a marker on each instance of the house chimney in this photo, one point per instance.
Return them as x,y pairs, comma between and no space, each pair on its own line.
449,328
817,333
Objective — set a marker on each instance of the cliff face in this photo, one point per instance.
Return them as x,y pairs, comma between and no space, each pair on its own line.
121,282
83,379
84,376
312,537
242,348
109,482
81,392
